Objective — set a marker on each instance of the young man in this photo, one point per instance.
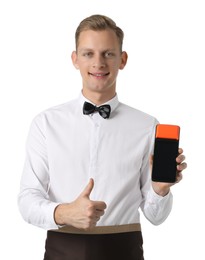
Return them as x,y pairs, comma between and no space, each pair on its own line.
87,170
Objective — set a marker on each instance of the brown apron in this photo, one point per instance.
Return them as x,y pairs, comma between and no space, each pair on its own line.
101,243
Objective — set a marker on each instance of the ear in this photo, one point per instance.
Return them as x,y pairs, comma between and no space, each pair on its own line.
124,58
74,58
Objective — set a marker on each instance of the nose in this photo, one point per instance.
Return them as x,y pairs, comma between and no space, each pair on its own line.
99,61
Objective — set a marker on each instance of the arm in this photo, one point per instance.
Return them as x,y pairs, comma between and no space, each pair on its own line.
158,203
33,199
34,202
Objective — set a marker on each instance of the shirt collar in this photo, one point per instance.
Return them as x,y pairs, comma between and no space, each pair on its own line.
112,102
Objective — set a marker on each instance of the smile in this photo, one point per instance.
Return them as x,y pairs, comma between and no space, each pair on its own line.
99,74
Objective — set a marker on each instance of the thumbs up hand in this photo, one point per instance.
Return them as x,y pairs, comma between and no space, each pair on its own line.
82,213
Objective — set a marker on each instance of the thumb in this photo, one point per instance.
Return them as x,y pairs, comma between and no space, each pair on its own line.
151,161
88,189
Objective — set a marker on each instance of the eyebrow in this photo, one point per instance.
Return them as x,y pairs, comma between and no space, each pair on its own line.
84,49
88,49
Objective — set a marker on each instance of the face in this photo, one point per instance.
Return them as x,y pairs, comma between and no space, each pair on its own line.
98,57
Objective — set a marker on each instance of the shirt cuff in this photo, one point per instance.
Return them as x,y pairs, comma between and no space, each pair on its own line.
156,197
50,221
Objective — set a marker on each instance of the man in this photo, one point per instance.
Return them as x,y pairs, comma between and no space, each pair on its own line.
87,170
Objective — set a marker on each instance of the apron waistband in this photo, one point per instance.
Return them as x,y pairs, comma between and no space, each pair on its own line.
101,229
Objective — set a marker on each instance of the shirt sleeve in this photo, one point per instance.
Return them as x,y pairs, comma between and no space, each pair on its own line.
157,208
154,207
33,199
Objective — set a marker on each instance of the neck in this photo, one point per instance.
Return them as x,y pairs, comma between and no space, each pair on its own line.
98,98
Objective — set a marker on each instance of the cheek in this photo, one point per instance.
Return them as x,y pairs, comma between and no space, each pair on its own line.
116,68
82,67
118,64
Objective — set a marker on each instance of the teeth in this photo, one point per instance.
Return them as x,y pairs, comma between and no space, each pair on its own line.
99,74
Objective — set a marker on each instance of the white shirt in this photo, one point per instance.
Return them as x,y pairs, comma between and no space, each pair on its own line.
66,148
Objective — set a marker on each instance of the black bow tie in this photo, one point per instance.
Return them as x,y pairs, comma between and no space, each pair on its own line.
103,110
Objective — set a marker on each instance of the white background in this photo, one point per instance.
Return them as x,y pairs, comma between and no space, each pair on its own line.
164,77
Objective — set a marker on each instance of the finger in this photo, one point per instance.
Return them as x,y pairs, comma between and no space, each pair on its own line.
181,167
151,160
100,213
180,158
100,205
97,218
180,150
88,189
179,177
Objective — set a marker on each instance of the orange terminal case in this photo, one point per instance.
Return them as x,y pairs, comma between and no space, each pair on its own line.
165,153
167,131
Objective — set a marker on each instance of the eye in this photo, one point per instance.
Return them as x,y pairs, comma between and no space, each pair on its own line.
108,54
87,54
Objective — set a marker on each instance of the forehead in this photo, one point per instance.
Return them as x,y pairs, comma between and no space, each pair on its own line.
105,39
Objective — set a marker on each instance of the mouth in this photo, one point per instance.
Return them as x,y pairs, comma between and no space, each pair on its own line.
99,75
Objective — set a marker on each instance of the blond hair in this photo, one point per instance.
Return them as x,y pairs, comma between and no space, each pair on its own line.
99,23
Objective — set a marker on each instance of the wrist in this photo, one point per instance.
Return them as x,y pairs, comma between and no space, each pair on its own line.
59,214
161,191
